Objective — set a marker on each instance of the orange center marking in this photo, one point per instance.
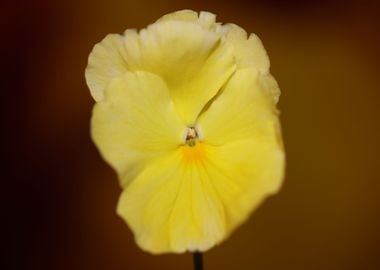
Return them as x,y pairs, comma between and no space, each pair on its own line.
193,153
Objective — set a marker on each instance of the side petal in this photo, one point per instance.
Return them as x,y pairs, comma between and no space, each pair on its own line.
135,123
106,61
193,61
243,174
243,110
269,84
249,52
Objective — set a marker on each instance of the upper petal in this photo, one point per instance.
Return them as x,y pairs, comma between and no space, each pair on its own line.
106,61
248,51
193,60
135,123
205,19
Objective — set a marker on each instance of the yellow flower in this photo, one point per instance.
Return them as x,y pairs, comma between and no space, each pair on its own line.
186,115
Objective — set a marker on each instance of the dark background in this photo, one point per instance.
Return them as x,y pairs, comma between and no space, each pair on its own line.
59,197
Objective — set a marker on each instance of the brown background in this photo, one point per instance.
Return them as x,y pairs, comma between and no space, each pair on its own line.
59,197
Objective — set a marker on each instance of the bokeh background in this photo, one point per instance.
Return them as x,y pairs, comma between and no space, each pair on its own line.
59,197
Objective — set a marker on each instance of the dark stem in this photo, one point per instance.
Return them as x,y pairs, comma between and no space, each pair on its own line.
198,261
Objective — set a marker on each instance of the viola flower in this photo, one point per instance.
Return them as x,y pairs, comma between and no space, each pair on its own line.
186,115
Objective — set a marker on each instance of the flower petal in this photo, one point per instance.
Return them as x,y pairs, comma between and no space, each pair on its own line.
205,19
244,173
135,123
243,110
147,202
180,15
171,207
193,61
188,54
106,61
269,84
248,52
188,202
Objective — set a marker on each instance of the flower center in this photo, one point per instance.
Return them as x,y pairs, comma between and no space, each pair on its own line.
191,137
193,148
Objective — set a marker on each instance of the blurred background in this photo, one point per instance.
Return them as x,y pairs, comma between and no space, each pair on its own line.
59,197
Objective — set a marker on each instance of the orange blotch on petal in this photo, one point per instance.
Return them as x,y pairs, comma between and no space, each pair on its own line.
194,153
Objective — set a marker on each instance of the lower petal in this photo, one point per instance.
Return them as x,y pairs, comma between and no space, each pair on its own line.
171,207
193,198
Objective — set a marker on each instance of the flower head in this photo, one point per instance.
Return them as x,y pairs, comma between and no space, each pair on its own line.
186,115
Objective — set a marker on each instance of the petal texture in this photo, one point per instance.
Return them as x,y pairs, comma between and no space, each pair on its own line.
135,123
